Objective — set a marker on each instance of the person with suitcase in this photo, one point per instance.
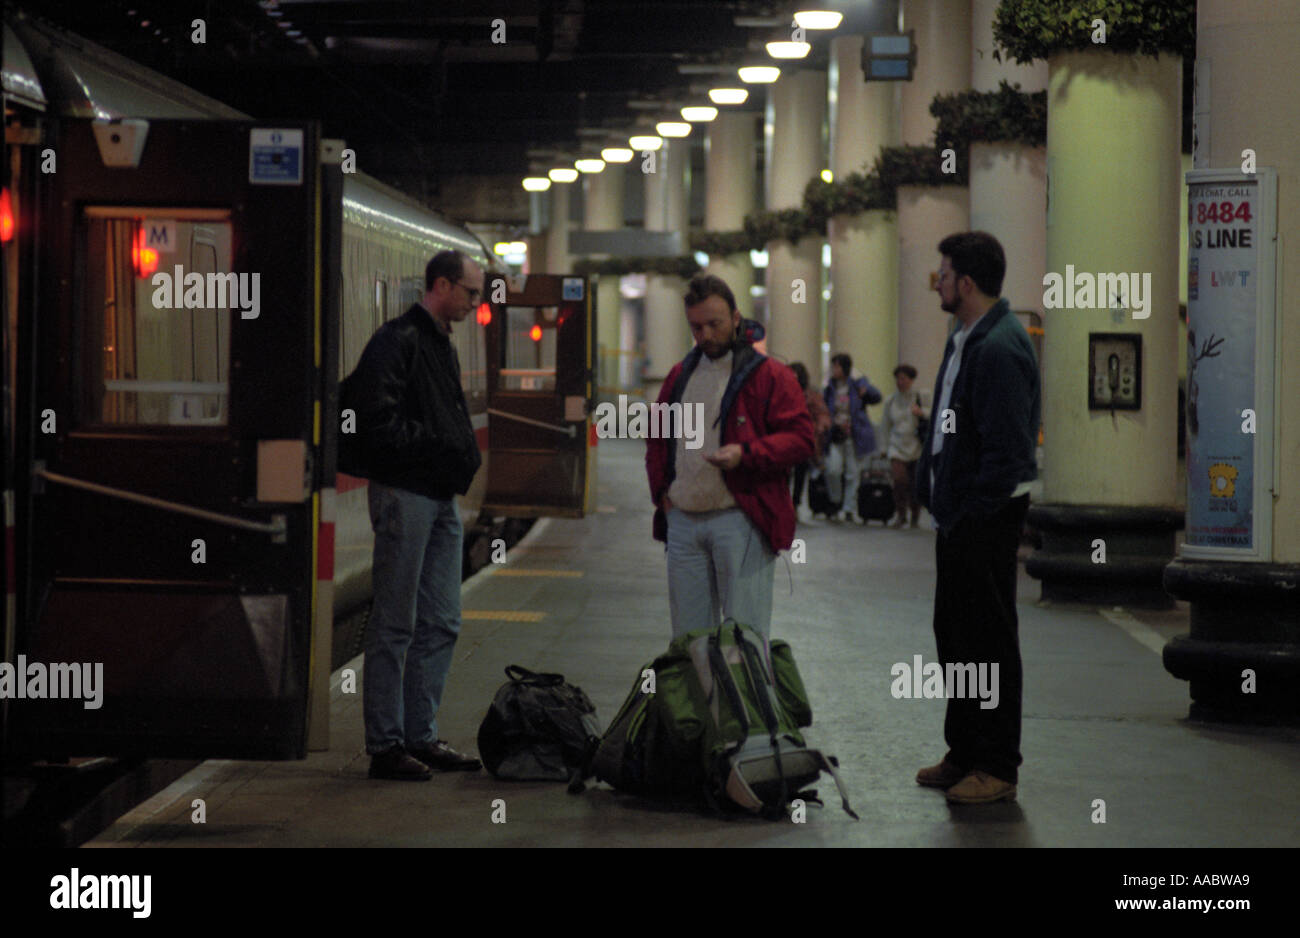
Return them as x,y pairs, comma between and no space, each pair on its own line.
902,428
852,437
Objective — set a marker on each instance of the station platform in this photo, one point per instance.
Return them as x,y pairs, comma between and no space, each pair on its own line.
588,598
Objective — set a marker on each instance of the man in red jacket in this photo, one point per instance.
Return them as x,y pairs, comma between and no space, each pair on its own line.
724,508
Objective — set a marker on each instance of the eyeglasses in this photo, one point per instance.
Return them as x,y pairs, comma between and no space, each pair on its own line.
473,294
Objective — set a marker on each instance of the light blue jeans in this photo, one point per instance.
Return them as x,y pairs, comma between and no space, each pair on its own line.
719,566
415,618
842,474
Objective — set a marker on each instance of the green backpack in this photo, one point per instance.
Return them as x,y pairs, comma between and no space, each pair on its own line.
753,753
684,742
652,746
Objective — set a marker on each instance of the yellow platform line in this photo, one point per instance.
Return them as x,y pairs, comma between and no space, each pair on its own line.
503,615
511,571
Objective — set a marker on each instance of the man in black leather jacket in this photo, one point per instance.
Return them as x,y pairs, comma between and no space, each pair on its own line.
417,444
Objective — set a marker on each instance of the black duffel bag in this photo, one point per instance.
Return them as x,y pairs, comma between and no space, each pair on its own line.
539,728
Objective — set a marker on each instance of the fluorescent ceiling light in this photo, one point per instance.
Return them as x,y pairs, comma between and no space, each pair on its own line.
589,166
818,19
673,129
788,50
645,143
728,95
563,175
701,113
616,155
501,247
537,184
518,247
759,74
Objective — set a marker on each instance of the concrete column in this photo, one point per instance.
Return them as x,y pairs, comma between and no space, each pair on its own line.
926,214
1113,208
668,338
1008,181
603,211
731,178
863,314
795,154
539,204
1247,615
558,260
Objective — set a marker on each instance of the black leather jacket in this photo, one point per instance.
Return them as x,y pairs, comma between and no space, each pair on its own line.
413,425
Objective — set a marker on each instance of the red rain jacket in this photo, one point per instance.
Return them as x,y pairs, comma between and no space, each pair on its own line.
762,406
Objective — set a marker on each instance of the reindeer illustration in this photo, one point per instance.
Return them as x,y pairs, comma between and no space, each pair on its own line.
1210,349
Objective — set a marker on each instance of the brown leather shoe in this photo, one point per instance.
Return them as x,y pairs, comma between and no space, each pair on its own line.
395,764
438,755
943,775
981,788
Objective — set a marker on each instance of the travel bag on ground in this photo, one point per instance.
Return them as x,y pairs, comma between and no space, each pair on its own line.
652,746
876,492
819,496
539,728
754,755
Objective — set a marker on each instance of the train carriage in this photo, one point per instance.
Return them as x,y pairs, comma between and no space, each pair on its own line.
172,507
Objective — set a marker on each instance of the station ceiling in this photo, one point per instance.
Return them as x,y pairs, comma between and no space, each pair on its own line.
420,88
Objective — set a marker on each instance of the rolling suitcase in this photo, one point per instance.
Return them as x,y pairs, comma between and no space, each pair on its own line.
819,496
876,492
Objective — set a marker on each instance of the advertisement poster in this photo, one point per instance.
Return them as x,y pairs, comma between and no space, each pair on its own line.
1222,414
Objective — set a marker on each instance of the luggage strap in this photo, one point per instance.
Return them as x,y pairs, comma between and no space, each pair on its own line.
521,675
752,662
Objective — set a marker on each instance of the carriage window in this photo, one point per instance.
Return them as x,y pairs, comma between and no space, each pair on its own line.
530,349
160,294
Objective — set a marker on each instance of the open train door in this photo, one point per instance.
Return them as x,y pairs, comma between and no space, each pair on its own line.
540,385
170,443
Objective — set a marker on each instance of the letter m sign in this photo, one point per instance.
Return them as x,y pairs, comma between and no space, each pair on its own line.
160,235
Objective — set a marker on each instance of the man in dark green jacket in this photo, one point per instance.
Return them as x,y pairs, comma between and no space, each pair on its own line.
974,477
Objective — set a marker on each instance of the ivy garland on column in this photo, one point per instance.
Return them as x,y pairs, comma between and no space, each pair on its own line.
1037,29
1006,114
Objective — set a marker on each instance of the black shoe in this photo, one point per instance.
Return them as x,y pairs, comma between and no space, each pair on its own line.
396,764
438,755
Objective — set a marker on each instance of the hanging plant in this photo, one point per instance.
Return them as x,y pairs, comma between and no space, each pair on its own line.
1037,29
918,166
684,266
721,243
1007,115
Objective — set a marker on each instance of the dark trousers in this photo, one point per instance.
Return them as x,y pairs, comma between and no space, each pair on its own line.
905,488
800,474
975,622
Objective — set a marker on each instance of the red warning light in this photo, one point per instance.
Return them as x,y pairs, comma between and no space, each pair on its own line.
6,217
145,259
535,333
484,314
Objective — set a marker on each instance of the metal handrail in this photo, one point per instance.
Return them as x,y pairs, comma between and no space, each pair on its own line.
568,431
276,528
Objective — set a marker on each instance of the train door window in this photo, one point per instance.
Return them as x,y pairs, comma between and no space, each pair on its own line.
529,349
409,292
159,294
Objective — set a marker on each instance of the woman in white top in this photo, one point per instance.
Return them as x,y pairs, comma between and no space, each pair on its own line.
901,430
